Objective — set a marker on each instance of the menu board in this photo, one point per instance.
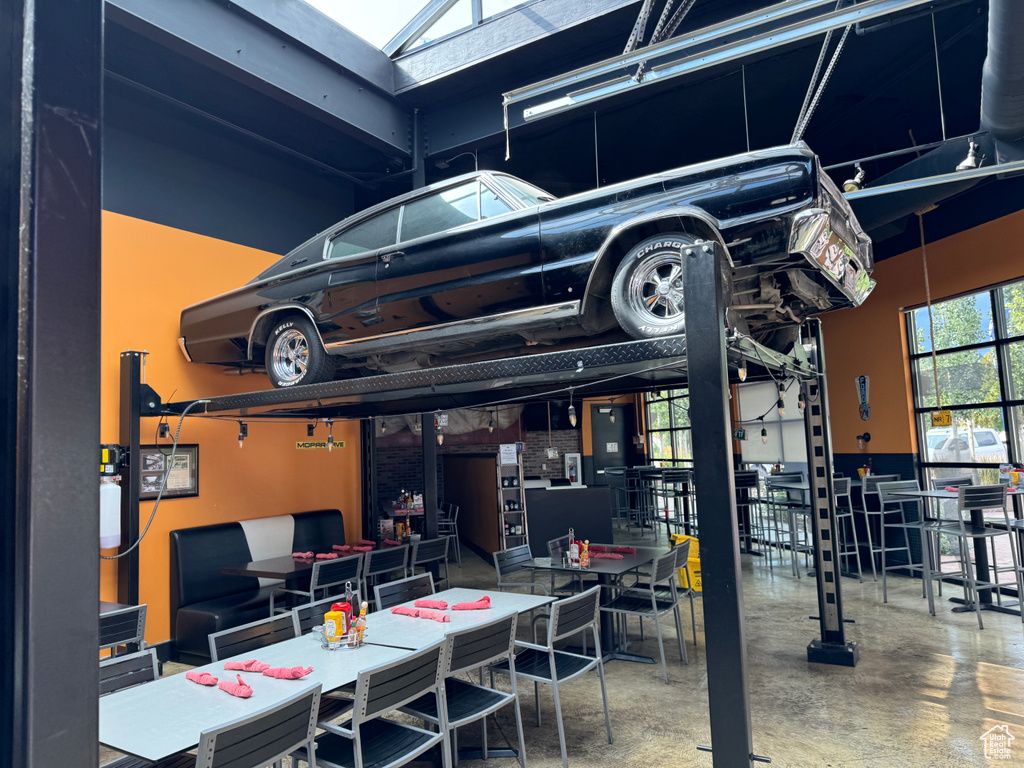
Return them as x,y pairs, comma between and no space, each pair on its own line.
508,453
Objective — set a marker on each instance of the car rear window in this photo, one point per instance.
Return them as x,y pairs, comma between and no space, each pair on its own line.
378,232
985,438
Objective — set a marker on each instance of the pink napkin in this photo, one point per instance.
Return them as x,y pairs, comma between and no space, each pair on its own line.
367,543
240,689
327,556
438,605
434,615
341,547
362,549
391,543
1011,490
251,665
605,556
203,678
401,610
625,550
598,548
287,673
303,555
482,604
951,488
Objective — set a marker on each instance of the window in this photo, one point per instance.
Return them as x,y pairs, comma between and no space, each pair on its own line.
491,204
440,211
668,429
370,235
978,370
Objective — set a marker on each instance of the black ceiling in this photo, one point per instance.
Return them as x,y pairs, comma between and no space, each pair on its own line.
882,96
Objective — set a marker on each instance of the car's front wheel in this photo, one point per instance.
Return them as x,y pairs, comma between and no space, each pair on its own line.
647,289
295,355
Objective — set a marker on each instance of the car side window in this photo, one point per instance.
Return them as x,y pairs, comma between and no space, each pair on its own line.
491,204
440,211
984,438
378,232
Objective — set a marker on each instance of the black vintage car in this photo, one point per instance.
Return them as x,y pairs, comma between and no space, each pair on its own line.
486,264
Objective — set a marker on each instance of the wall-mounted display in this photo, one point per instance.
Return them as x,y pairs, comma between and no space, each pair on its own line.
182,473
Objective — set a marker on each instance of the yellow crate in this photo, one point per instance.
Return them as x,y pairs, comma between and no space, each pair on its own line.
693,562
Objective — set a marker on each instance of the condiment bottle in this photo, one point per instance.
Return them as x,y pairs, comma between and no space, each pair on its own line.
334,623
585,554
361,623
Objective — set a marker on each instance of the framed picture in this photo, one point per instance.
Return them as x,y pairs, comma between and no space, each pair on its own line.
574,468
182,475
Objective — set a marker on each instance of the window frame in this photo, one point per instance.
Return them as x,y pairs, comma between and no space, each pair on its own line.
674,429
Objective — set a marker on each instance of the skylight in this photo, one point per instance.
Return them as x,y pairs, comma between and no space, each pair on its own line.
372,20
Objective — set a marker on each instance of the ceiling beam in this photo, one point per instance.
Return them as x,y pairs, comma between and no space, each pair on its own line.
228,41
781,25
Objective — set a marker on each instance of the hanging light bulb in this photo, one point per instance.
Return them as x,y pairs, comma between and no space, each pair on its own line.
611,416
572,411
330,435
764,433
743,372
440,436
243,432
800,404
782,408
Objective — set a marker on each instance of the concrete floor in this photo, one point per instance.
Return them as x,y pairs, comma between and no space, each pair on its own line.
925,691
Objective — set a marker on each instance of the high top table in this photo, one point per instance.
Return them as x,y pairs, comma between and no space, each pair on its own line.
981,564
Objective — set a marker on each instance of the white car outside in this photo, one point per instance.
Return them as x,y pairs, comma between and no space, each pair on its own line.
986,445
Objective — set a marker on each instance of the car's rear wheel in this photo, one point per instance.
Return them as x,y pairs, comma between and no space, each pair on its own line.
295,355
647,289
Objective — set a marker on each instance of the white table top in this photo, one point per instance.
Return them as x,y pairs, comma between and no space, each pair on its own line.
167,716
414,633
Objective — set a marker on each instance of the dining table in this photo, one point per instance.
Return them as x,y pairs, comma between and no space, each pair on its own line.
981,562
167,716
609,573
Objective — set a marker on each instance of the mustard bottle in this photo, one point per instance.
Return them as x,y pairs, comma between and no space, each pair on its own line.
334,622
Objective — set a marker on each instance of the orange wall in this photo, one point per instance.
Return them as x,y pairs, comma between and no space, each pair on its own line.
870,340
150,272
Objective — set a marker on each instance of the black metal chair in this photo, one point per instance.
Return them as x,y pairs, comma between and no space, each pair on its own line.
403,590
748,504
384,562
871,507
848,546
448,526
892,505
645,602
249,637
427,551
468,702
327,575
512,562
126,626
544,664
127,670
373,740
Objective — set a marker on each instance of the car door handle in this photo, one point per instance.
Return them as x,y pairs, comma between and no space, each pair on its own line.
387,257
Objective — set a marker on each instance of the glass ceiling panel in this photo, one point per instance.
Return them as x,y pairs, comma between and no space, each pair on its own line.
459,16
372,20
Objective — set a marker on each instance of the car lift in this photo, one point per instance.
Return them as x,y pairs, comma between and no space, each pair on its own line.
700,362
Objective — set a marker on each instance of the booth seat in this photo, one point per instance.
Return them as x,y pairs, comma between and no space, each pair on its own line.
203,600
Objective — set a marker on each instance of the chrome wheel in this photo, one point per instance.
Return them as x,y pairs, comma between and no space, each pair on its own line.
655,291
290,356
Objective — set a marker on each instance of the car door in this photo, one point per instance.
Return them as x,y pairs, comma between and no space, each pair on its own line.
463,253
348,309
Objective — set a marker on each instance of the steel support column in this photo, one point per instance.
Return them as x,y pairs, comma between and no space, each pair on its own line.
129,437
371,509
50,97
831,647
728,695
429,433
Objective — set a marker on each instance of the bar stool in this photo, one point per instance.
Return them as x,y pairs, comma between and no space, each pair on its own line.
677,484
748,505
888,500
869,493
847,530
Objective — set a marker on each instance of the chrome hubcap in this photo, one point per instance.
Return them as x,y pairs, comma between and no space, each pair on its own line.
291,355
656,289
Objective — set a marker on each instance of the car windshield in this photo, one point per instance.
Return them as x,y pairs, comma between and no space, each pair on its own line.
527,194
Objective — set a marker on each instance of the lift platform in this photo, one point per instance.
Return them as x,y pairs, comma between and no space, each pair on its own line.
600,371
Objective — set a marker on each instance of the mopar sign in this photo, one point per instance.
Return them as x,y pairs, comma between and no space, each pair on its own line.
317,444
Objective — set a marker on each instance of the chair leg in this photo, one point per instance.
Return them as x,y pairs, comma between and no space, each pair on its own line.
604,690
871,546
536,701
558,717
885,592
661,645
693,620
519,720
972,586
679,634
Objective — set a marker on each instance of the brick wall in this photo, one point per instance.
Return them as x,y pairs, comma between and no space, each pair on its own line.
401,466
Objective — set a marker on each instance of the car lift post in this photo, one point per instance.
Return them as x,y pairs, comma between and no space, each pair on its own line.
708,382
831,647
